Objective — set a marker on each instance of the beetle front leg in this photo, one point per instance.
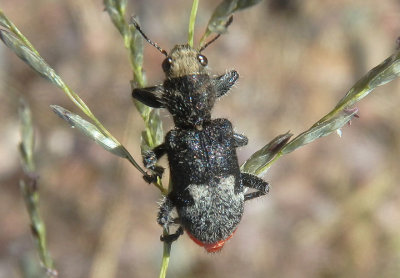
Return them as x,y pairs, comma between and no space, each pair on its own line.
151,96
240,140
150,158
224,83
256,183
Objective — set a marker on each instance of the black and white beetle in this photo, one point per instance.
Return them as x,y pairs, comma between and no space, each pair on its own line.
208,189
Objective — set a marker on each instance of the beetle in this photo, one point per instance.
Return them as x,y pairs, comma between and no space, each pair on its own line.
208,189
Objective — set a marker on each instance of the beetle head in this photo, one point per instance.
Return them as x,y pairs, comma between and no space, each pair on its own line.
184,60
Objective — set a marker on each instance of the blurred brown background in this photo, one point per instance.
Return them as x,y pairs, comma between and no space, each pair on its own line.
334,206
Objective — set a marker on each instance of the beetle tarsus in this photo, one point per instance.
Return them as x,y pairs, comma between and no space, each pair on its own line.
172,237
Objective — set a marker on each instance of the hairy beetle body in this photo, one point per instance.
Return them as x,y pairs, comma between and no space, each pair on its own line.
207,189
207,186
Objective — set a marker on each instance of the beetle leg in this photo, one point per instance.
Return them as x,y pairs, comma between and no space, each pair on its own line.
151,96
240,140
150,158
256,183
165,219
172,237
224,83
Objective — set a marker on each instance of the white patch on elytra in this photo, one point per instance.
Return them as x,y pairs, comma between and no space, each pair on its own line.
216,210
226,187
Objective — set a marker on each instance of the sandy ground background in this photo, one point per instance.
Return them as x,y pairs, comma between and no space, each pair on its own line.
334,205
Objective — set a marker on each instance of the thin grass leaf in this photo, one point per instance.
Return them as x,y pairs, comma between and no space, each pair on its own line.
90,130
5,22
156,128
166,256
341,114
153,133
29,188
132,39
192,21
108,143
382,74
136,47
31,198
28,56
254,165
151,117
27,137
116,10
223,12
133,42
385,72
220,17
320,130
35,61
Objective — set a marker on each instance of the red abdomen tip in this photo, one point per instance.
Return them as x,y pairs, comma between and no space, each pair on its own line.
211,247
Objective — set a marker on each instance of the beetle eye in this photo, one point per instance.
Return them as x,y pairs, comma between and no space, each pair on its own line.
202,60
166,64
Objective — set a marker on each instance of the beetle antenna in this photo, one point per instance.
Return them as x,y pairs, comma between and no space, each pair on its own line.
137,26
217,36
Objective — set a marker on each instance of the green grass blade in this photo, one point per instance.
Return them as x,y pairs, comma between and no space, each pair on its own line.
27,137
166,256
37,63
385,72
5,22
116,8
340,115
218,21
25,53
29,189
152,136
320,130
91,131
192,20
266,154
134,44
